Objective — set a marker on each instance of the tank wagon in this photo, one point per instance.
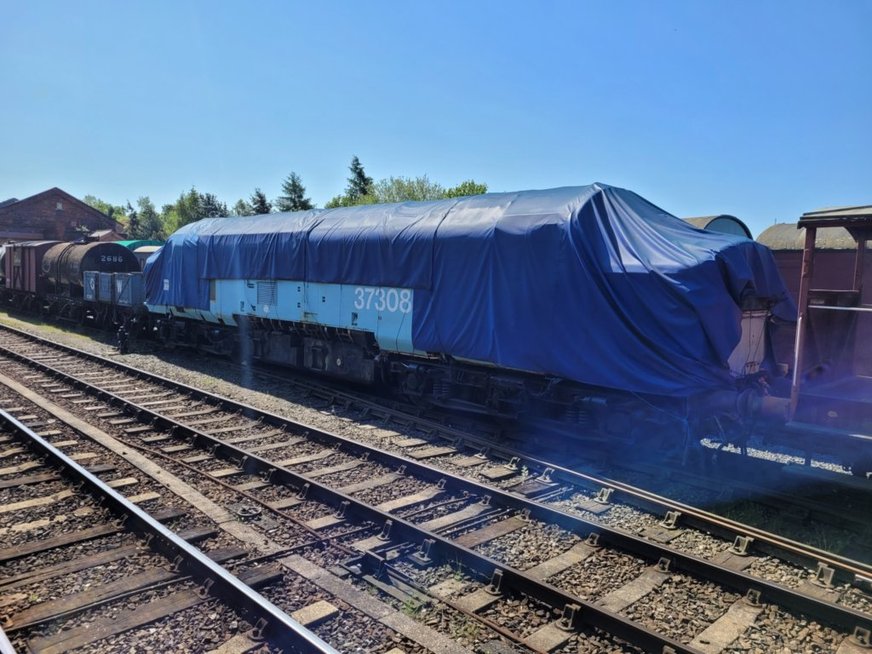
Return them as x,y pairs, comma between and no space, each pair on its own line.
62,279
63,265
586,304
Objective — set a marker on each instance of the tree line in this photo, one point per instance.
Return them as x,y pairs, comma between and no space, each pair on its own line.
144,221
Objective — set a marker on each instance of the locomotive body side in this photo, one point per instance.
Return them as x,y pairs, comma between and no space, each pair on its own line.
383,312
294,321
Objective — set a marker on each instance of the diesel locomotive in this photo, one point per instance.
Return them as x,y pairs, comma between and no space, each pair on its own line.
583,304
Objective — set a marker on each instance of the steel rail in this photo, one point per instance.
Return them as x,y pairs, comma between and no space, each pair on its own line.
843,617
279,624
5,645
763,540
707,519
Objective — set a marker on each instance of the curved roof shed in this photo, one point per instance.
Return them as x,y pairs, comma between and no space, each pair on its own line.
723,223
785,236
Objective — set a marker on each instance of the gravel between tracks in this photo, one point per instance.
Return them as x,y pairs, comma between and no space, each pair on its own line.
246,386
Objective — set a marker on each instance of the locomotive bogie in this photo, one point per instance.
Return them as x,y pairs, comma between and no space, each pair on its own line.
343,353
186,314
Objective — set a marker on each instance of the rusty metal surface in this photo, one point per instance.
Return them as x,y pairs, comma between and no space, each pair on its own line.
856,216
23,263
63,264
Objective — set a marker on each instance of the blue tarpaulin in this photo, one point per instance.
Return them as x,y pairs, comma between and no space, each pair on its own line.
591,283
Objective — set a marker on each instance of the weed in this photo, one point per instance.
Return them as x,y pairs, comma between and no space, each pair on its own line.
410,608
466,630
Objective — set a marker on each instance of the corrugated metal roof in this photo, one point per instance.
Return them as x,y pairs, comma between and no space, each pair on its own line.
785,236
853,216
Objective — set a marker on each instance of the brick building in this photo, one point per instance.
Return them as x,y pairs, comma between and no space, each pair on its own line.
51,215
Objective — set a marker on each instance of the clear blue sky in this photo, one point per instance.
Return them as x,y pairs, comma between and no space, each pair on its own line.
760,109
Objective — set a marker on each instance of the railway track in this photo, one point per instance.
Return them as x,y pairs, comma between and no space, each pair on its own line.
515,556
787,494
334,611
792,494
800,502
61,522
780,493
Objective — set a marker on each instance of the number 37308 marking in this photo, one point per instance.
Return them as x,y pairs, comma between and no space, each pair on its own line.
383,299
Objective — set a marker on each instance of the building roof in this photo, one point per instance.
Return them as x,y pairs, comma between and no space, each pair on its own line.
9,207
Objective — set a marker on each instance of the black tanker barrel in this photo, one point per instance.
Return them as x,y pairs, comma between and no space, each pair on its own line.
63,265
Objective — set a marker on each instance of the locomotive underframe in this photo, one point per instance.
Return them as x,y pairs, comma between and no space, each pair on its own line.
442,381
70,309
